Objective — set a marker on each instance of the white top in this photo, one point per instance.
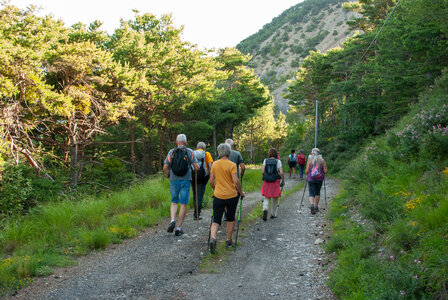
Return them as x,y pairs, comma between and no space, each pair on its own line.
279,163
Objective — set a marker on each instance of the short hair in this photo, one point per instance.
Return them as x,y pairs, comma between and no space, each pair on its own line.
292,151
201,145
230,142
182,138
301,151
224,150
273,152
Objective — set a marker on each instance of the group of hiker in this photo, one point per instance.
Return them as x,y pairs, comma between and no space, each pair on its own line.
295,160
188,168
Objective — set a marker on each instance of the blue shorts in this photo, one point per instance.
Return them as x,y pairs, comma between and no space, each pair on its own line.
182,188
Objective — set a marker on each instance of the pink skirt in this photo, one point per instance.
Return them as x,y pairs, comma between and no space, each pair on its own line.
271,189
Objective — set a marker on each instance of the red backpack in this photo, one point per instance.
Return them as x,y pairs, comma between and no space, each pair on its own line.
301,159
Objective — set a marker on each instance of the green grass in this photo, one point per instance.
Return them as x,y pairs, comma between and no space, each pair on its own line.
53,233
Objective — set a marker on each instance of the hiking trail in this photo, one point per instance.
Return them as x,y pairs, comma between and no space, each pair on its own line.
280,258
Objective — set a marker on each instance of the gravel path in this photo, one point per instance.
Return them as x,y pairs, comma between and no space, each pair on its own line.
276,259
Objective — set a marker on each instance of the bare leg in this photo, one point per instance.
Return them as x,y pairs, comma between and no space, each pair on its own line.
316,200
229,230
173,210
182,213
312,200
214,230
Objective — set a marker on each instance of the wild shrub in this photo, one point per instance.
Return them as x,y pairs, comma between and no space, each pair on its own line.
15,191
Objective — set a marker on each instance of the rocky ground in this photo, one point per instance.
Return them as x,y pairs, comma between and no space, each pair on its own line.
280,258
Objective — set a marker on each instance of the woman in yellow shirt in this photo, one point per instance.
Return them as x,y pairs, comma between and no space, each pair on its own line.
227,189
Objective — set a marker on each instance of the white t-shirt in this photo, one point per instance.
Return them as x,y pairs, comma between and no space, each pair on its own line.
279,163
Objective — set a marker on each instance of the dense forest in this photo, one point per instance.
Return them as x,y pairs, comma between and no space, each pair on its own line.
85,112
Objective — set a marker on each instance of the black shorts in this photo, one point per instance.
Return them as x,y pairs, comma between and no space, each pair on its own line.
219,205
292,164
314,188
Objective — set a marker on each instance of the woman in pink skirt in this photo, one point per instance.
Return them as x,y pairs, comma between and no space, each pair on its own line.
272,173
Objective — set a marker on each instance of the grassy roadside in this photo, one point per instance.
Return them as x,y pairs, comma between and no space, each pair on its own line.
53,234
211,262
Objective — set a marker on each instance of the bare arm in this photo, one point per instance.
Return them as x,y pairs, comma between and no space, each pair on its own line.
166,170
237,184
282,175
308,166
243,168
262,170
211,181
325,167
196,166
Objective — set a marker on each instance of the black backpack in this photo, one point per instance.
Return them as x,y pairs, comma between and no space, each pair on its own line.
270,170
180,162
202,174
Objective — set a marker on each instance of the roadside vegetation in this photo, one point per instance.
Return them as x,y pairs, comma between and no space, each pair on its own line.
390,222
55,233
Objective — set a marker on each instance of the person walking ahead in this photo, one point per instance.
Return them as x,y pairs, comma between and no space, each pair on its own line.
237,158
272,173
178,167
301,162
205,161
292,162
316,169
226,190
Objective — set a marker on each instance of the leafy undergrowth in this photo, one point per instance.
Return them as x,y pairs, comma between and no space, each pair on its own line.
54,233
390,223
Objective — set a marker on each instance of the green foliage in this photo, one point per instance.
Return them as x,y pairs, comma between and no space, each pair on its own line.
15,191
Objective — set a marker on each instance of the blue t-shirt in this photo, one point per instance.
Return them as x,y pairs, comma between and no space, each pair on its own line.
174,177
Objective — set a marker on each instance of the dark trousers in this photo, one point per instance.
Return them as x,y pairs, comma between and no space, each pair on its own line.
201,191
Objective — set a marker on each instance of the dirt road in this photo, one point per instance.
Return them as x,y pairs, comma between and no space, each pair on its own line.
278,259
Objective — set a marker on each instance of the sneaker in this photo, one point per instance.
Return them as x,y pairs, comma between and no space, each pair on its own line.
312,209
229,244
316,209
265,215
212,246
195,218
171,227
179,232
273,217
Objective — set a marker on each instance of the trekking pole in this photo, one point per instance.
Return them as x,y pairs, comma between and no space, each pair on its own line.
325,193
197,200
239,214
278,203
303,195
210,229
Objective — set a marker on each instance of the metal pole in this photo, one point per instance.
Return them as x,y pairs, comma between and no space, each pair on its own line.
315,130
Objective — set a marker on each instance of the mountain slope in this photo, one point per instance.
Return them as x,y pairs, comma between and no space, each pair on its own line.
280,46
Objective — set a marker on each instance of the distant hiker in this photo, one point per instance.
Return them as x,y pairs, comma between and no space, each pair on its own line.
316,169
272,173
178,167
292,162
301,160
236,157
226,190
205,161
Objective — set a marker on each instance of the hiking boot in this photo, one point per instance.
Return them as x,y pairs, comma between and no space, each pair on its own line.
229,243
212,246
171,227
316,209
312,209
179,232
273,217
265,215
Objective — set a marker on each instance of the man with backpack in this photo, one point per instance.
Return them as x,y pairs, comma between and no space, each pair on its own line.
178,166
301,161
237,158
199,184
292,162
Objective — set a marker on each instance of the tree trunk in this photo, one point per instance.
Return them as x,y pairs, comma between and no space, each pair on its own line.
132,134
162,149
73,162
214,138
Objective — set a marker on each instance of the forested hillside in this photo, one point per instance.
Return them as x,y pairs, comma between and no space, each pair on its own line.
279,48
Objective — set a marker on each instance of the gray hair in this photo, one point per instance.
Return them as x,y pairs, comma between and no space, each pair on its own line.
230,142
181,138
224,150
201,145
317,157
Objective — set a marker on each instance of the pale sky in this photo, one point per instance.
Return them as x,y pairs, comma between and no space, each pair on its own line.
208,23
